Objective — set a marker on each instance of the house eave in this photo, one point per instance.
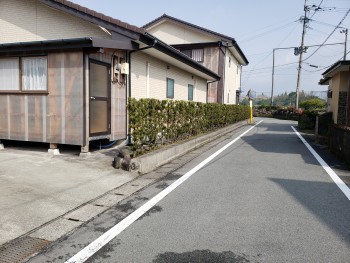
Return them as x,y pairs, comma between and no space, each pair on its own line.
337,67
238,53
233,47
65,44
324,81
175,55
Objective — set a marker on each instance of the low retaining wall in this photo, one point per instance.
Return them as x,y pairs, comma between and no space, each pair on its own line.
150,161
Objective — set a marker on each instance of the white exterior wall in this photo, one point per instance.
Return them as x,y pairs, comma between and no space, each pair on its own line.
29,20
232,78
173,34
158,74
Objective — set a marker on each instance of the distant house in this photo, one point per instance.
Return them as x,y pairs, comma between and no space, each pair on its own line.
216,51
337,77
64,73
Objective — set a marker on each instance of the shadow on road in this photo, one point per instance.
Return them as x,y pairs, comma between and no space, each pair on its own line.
279,138
324,200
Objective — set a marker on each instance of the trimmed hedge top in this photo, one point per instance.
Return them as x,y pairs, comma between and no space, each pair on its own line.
154,122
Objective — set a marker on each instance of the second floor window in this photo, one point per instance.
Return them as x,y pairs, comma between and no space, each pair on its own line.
195,54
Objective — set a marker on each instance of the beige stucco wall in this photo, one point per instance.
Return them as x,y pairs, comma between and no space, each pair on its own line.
29,20
158,73
232,78
172,34
338,83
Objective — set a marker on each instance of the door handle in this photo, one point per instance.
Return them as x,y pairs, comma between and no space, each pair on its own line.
92,98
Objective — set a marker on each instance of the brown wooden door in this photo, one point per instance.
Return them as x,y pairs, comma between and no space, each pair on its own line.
100,98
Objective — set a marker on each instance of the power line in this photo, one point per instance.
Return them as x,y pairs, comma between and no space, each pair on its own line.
329,35
316,10
290,63
328,65
269,26
265,33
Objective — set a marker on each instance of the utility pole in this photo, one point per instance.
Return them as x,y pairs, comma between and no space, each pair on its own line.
345,30
295,50
305,20
273,75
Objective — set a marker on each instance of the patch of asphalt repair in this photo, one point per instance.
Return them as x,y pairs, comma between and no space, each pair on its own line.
204,256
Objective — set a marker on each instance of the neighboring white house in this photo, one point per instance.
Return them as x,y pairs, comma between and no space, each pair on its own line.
160,71
64,72
216,51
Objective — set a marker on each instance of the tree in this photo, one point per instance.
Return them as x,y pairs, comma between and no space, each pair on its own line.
314,104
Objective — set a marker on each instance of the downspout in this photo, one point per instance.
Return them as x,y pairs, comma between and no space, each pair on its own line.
222,44
240,84
129,84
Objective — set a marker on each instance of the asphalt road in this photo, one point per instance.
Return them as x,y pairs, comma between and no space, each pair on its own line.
264,199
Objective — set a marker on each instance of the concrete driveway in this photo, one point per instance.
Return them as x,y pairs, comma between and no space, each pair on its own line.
36,188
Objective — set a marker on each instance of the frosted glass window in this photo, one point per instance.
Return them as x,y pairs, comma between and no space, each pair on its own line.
98,123
9,74
190,92
170,88
34,73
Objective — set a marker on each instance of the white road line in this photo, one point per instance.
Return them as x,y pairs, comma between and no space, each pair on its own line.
101,241
342,186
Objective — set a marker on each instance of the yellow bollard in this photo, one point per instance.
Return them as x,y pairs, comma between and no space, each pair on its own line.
251,111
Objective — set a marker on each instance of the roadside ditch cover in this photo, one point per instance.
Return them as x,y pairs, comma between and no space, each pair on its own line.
18,250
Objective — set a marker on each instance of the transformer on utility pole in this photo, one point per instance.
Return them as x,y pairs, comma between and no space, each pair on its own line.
345,30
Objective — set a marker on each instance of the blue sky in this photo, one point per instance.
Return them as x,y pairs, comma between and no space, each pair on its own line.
258,27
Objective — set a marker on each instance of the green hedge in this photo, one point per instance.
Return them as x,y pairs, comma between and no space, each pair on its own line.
307,120
154,122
